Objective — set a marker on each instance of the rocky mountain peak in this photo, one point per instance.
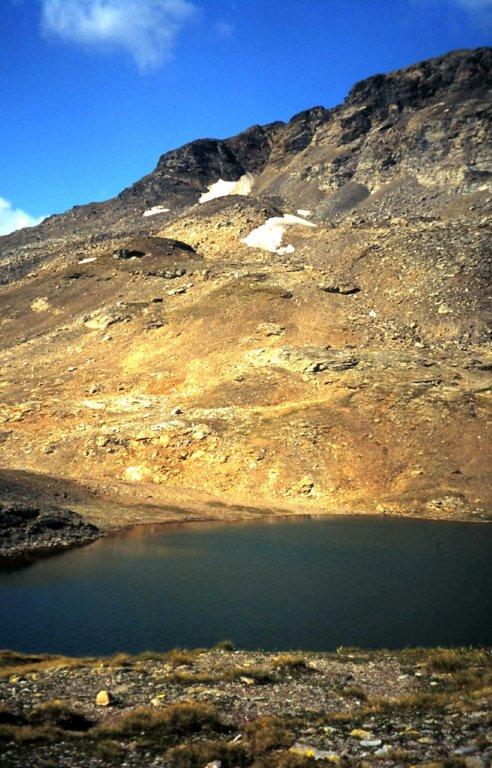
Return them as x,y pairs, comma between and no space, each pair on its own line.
295,316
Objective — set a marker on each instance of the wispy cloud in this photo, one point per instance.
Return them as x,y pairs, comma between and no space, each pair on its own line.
480,11
224,29
476,5
14,218
145,29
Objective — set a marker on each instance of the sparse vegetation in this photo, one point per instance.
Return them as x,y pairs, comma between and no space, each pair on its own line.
162,727
285,759
182,677
292,662
199,754
261,675
181,658
59,714
225,645
191,733
453,659
13,663
267,733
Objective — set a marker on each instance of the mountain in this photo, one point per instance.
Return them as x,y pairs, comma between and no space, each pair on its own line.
294,318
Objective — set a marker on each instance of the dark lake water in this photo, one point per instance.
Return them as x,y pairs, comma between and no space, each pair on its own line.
298,583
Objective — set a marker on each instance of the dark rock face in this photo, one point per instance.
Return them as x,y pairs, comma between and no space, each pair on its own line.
28,531
429,120
456,72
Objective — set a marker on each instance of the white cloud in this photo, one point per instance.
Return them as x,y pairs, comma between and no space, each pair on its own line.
14,218
145,29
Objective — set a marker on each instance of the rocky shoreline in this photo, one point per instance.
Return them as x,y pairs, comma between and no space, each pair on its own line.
227,708
29,531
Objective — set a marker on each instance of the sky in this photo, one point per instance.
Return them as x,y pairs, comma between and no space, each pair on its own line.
92,92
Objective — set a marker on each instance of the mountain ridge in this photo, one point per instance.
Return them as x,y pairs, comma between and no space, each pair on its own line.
248,150
317,343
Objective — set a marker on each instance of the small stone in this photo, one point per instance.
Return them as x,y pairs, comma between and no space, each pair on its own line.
383,751
306,750
247,680
103,699
371,743
214,764
426,740
359,733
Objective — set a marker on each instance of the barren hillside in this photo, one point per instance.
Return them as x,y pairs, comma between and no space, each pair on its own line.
166,357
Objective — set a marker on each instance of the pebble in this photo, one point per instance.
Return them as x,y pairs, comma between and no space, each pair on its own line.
371,743
359,733
103,699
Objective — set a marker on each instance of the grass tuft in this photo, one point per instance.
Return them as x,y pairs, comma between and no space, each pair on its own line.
199,754
260,675
163,727
292,662
267,733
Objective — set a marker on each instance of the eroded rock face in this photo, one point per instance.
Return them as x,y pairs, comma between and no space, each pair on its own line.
354,355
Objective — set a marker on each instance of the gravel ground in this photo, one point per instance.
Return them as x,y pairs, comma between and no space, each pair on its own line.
352,708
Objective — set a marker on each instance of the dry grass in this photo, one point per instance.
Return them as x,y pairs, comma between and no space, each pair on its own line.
180,657
267,733
354,692
59,714
225,645
199,754
12,663
454,659
151,656
162,727
47,722
291,662
183,677
29,734
261,675
285,759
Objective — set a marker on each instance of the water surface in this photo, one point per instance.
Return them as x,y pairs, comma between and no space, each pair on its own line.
314,584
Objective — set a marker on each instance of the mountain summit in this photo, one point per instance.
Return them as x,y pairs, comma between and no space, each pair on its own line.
294,318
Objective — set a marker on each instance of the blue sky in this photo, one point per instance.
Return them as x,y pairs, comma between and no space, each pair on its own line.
93,91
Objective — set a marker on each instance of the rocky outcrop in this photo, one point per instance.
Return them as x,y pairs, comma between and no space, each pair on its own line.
28,531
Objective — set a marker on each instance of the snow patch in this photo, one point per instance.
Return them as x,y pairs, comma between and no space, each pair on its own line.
302,212
223,188
88,261
155,210
269,235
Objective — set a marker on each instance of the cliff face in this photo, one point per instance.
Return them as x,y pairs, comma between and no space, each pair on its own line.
343,369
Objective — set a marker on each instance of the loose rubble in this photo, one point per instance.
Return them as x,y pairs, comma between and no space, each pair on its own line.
228,708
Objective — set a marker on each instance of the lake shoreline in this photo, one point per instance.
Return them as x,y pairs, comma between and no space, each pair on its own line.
31,551
90,512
